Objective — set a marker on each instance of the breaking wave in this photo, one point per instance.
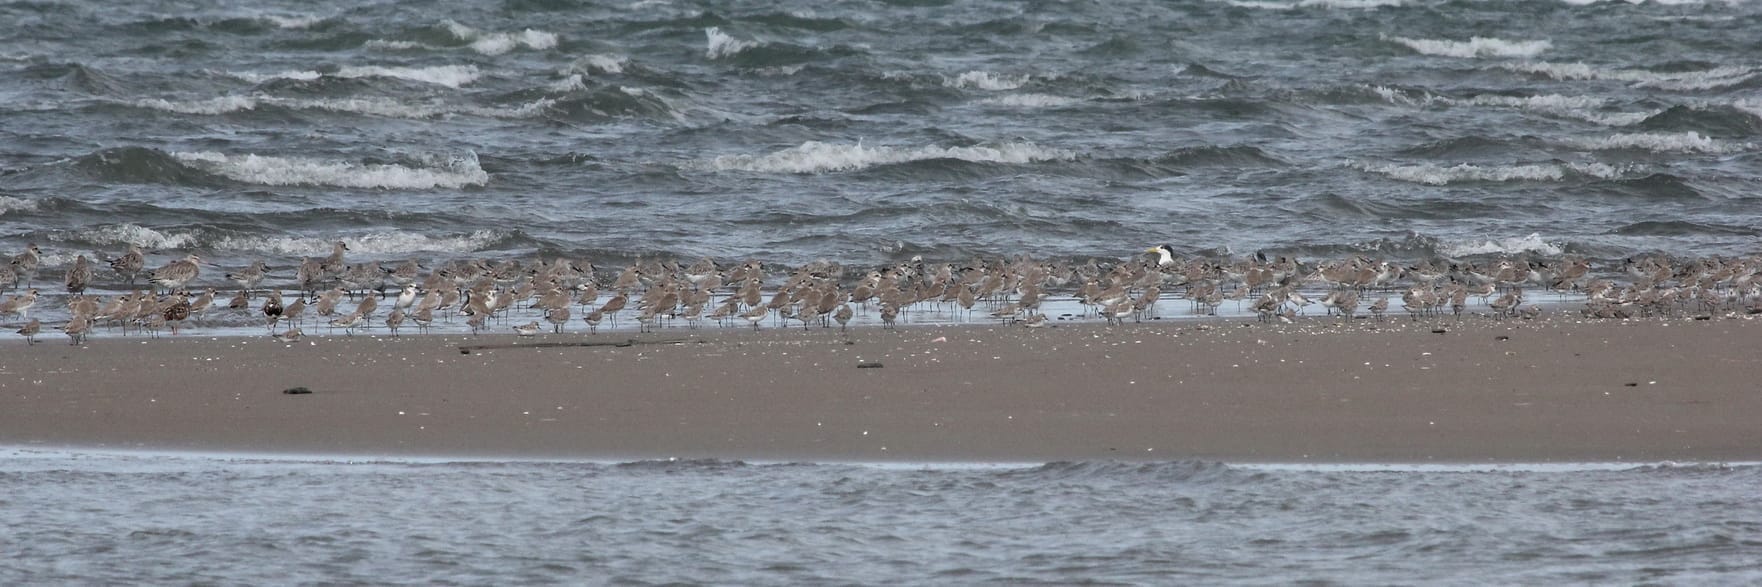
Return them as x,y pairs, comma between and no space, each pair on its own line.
373,243
818,157
1030,101
11,204
386,107
1345,4
1430,174
722,44
498,43
453,172
1660,142
1474,47
1506,246
1682,81
451,76
985,80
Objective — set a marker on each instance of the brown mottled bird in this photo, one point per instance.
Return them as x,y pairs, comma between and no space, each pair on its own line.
30,330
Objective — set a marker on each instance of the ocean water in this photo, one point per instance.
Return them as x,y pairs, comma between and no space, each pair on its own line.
870,132
134,518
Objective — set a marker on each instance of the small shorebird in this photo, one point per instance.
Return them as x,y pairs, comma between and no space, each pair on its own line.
1035,321
176,311
557,316
394,321
348,323
239,302
78,276
249,277
129,265
272,308
423,317
292,335
406,297
843,317
29,331
174,275
25,264
527,329
889,314
19,304
756,314
76,329
294,313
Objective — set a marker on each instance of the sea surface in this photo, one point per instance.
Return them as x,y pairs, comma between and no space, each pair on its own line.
871,132
182,519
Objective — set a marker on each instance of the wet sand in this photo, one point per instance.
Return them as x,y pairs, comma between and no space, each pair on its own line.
1553,390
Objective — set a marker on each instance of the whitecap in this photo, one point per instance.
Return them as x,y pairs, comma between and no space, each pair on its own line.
386,45
11,204
374,106
1474,47
724,45
375,243
129,234
1433,174
211,106
1579,107
1506,246
1343,4
1030,101
293,22
986,80
601,63
817,157
455,172
1660,142
499,43
452,76
1705,79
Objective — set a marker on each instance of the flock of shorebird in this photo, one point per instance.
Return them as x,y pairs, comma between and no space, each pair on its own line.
657,292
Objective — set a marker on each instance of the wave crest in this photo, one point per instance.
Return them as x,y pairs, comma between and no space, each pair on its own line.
1505,246
1660,142
452,76
818,157
720,44
493,44
1474,47
986,80
1430,174
454,172
1682,81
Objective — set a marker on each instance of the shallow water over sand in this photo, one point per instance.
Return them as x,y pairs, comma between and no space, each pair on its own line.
161,519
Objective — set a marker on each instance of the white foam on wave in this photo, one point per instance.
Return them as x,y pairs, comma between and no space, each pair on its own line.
375,243
1506,246
386,45
293,22
211,106
596,63
1474,47
986,80
499,43
386,107
454,172
1343,4
1579,107
817,157
452,76
11,204
1661,142
1433,174
1030,101
130,234
722,44
1682,81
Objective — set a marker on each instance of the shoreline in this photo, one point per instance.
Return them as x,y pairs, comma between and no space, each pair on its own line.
1555,390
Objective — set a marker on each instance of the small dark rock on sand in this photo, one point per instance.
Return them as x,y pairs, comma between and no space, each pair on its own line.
296,391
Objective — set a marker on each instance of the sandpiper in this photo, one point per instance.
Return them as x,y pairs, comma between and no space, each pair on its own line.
174,275
76,329
249,277
78,276
527,329
130,264
19,304
29,331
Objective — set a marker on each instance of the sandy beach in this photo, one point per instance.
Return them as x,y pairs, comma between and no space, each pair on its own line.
1553,390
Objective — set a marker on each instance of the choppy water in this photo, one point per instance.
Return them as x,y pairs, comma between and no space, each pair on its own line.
128,518
873,131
